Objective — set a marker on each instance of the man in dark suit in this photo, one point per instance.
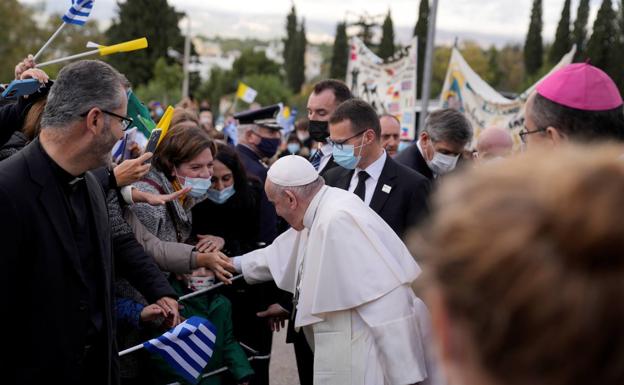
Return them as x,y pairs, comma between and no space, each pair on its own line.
323,101
440,144
396,193
57,248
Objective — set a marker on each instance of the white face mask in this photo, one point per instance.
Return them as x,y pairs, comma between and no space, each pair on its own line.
442,164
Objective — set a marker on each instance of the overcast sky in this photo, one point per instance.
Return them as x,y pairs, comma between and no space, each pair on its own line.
486,21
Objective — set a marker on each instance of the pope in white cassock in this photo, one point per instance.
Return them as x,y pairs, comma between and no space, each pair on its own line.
350,275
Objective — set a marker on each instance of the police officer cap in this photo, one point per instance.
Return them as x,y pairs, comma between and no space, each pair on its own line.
263,117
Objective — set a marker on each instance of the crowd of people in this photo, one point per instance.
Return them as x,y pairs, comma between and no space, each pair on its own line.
455,259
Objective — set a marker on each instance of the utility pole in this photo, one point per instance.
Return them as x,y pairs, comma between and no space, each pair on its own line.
187,54
428,64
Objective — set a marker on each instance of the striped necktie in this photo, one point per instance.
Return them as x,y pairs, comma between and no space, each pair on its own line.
316,159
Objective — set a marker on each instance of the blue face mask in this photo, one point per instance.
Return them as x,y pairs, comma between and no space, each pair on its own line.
293,148
199,186
220,197
345,157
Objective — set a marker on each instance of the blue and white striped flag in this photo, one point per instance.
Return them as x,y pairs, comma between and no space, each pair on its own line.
79,12
187,347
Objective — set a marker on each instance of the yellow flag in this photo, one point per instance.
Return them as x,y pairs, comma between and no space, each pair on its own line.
164,123
246,93
127,46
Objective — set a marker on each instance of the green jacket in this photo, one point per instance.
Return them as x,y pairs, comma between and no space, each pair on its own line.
227,352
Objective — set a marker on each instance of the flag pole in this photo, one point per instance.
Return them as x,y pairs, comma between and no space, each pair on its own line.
66,58
47,43
426,90
130,350
187,53
202,291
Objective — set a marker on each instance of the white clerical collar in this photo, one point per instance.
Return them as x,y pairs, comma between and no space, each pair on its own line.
308,217
374,169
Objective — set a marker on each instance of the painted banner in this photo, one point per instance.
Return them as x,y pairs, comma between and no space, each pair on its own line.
390,86
465,91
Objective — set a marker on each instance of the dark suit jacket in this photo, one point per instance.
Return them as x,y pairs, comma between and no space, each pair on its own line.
412,158
46,317
404,205
329,166
256,169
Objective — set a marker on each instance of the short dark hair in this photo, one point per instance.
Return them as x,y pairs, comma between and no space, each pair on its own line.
339,89
181,144
448,125
578,124
361,115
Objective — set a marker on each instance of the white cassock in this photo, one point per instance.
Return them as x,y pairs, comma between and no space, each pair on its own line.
355,303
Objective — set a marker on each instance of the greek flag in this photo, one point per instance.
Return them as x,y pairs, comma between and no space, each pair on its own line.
187,347
79,12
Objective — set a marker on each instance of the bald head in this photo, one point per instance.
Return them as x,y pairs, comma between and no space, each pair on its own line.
494,142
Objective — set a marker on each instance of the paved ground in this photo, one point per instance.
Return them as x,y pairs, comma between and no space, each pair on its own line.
283,369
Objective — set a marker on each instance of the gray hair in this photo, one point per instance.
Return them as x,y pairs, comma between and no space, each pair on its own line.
448,125
79,87
242,129
305,192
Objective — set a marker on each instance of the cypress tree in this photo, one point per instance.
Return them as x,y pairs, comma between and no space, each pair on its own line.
579,36
600,47
533,47
154,19
340,53
562,43
420,31
386,47
297,59
291,34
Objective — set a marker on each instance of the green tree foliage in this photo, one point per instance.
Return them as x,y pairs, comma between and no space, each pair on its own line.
294,51
154,19
291,34
600,48
420,31
250,65
579,35
512,67
493,75
386,46
270,89
340,53
165,85
19,35
533,47
562,43
252,62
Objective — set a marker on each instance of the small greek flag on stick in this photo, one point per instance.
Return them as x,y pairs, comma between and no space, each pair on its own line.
79,12
187,347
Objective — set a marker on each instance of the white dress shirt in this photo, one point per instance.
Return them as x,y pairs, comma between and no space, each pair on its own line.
327,151
374,172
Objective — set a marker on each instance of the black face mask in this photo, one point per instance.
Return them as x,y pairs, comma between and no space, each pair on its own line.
319,131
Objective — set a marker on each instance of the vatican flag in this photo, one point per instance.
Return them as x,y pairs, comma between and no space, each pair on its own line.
246,93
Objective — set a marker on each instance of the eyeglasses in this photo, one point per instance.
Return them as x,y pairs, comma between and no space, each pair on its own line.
125,121
524,132
339,145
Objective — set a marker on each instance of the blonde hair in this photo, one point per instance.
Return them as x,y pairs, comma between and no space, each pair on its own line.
528,255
